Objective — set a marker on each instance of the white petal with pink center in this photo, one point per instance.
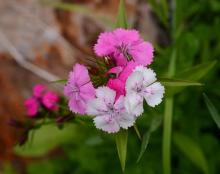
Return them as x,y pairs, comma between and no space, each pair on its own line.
109,115
142,83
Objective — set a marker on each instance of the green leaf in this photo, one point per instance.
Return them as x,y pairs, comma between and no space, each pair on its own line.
197,72
137,131
212,109
160,9
121,18
45,139
62,81
121,139
65,6
191,150
178,82
193,74
155,123
144,144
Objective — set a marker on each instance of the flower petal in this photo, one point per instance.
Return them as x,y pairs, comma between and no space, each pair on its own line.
128,69
87,91
105,44
106,94
125,36
134,81
96,107
106,123
118,86
142,53
119,104
153,94
81,75
126,120
32,106
148,74
115,70
134,104
77,106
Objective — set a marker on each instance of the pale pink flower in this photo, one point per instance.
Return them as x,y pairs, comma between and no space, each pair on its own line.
32,106
142,83
109,115
124,45
120,75
50,100
134,104
38,90
79,89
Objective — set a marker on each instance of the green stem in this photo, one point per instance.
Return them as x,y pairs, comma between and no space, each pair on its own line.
167,124
167,135
165,8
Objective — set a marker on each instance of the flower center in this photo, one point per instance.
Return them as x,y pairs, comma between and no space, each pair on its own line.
149,91
123,48
75,89
138,88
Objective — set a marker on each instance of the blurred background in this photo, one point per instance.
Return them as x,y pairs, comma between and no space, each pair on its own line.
40,40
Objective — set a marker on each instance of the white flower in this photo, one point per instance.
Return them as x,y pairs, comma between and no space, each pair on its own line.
142,83
109,115
134,104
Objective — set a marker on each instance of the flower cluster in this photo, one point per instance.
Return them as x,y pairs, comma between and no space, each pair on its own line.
119,102
41,97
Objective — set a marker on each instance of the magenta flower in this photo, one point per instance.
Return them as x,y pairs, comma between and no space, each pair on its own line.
118,86
119,77
79,89
50,100
32,106
38,90
124,45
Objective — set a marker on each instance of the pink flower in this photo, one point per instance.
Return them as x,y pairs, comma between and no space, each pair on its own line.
124,45
117,82
31,106
50,100
109,115
38,90
79,89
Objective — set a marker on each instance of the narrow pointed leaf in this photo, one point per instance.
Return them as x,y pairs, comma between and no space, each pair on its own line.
178,82
144,144
156,122
63,81
195,73
137,131
191,150
121,139
67,6
212,109
121,18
